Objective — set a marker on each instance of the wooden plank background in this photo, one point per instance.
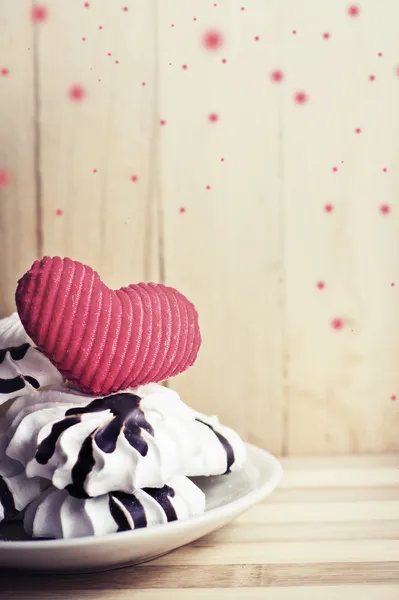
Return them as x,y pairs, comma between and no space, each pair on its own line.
232,211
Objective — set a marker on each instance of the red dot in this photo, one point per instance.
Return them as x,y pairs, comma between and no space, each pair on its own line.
358,130
328,208
294,31
134,178
393,397
4,178
172,25
4,72
117,62
100,27
384,170
372,77
195,18
184,67
182,209
256,38
326,36
224,60
277,76
385,209
321,285
109,54
125,8
353,10
94,170
397,71
208,187
337,324
222,160
77,93
39,13
335,169
242,7
300,97
162,122
393,284
379,54
213,117
59,212
143,83
86,5
83,39
99,80
212,40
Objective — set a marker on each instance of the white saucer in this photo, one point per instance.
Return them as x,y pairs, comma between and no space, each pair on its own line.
227,497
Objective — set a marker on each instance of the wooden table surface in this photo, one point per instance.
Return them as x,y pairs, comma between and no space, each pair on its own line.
330,531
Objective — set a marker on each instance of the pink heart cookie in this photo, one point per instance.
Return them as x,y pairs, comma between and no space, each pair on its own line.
105,340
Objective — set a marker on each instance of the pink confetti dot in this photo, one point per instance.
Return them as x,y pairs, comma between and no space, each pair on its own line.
321,285
195,18
182,210
100,27
86,5
172,25
94,170
294,32
326,36
184,67
300,97
4,72
277,76
83,39
384,170
99,80
372,77
353,10
393,397
77,93
328,208
385,209
337,324
256,38
335,169
125,8
393,284
162,122
59,212
134,178
379,54
117,62
222,160
39,13
215,5
208,187
397,71
358,130
109,54
143,83
224,60
213,117
242,7
212,40
4,178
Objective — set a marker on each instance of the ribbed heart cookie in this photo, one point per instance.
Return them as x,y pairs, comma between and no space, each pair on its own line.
106,340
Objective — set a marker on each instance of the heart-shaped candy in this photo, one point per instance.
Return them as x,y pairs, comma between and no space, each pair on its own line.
105,340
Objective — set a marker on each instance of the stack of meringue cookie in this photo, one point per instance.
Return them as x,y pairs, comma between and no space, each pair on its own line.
75,463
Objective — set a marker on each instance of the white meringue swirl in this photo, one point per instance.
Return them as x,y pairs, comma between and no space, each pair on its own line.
134,439
56,514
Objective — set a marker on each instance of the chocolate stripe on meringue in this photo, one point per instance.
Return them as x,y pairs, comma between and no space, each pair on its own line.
8,386
7,500
133,507
161,495
225,443
47,446
16,352
128,417
84,464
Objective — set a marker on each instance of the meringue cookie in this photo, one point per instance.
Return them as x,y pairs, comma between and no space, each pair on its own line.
56,514
130,440
23,368
16,489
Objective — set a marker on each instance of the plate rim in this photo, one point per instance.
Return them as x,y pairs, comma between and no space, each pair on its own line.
246,501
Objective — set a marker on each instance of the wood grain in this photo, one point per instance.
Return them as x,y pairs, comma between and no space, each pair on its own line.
18,201
314,549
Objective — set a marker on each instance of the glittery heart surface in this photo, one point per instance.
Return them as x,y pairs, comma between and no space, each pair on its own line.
105,340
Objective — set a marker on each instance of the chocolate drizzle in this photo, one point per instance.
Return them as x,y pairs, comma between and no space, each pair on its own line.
225,443
7,500
136,509
127,417
16,352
